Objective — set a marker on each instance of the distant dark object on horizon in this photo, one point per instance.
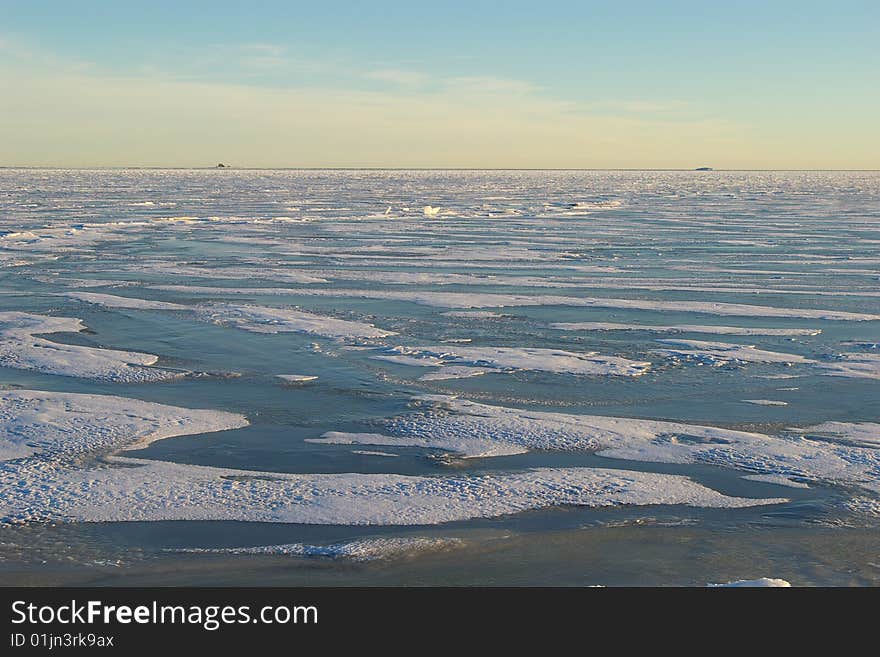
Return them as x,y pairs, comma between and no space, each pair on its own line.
704,169
221,166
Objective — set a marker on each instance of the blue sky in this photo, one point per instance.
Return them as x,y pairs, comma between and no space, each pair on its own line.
592,84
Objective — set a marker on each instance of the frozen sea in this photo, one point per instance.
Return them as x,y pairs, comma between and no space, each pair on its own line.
311,377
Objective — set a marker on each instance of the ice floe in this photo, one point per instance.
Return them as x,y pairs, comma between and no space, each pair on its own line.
21,347
492,300
263,319
56,425
366,549
48,438
466,425
296,378
473,314
515,359
853,365
415,360
83,282
257,319
762,582
683,328
228,272
775,377
467,447
59,239
455,372
721,353
863,434
114,301
139,490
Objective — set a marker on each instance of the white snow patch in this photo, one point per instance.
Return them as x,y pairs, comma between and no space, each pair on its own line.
457,421
114,301
296,378
761,582
227,272
61,424
50,437
367,549
473,314
683,328
720,353
491,300
464,446
140,490
412,361
455,372
263,319
854,365
516,359
777,376
864,434
21,348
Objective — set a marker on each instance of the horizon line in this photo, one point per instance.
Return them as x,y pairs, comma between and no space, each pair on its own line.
422,168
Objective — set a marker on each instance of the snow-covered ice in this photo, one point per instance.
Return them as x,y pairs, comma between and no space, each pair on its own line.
863,434
762,582
720,353
22,347
683,328
43,432
853,365
296,378
264,319
466,426
366,549
516,359
114,301
492,300
56,425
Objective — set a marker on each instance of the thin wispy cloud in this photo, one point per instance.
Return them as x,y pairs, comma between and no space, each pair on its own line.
486,84
282,109
397,76
90,120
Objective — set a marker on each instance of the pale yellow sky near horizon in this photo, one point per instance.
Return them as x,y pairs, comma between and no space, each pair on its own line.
61,114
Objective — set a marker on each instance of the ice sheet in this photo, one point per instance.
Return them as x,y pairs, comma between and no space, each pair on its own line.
50,437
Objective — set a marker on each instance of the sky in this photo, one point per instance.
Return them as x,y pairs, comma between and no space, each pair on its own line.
552,84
